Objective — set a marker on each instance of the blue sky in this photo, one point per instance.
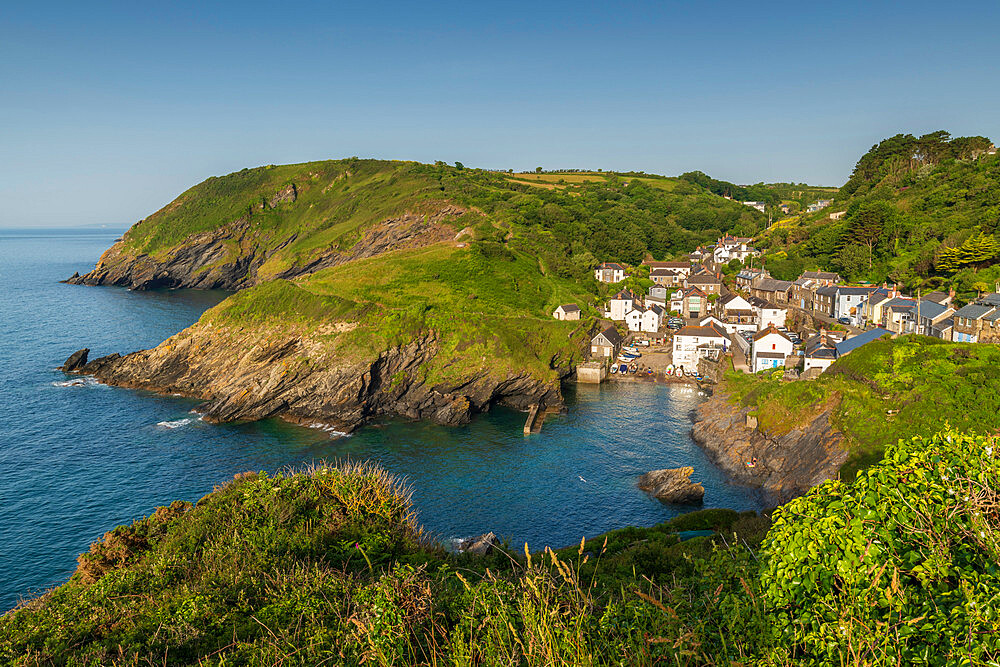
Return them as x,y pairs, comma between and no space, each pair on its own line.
110,111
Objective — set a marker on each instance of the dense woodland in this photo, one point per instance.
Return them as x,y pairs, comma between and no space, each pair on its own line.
919,211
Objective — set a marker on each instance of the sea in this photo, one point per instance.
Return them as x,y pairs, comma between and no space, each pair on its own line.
78,458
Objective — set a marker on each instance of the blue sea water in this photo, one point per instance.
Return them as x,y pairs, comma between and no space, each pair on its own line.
75,461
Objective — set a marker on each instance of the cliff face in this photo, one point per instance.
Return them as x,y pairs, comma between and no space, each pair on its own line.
249,376
786,466
231,256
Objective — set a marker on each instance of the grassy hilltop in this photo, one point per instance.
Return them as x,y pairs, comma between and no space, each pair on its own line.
561,217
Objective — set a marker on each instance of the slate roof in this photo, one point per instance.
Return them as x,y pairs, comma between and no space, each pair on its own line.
990,299
820,275
856,290
624,295
768,331
710,330
828,290
773,285
570,307
611,265
611,334
663,273
973,311
704,279
936,297
930,309
758,302
862,338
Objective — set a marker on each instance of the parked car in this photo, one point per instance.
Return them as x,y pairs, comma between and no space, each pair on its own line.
844,320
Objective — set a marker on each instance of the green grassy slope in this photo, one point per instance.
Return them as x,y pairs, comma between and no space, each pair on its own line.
328,566
910,209
337,200
885,391
490,309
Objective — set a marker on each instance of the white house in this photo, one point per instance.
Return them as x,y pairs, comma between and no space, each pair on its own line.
633,320
652,319
620,304
768,314
733,247
770,347
820,351
693,343
610,272
569,311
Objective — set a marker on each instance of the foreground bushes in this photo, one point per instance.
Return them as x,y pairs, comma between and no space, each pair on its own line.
900,567
327,567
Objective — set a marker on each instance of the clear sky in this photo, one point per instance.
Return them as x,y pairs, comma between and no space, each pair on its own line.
110,110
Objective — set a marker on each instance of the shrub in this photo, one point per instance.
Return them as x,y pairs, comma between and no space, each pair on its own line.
898,567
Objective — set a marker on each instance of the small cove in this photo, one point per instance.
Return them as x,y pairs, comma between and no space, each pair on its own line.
82,458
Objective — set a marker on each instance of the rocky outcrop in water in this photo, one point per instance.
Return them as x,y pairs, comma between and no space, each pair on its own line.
784,466
231,256
672,485
76,360
249,375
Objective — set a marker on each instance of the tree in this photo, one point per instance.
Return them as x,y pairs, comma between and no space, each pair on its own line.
538,170
867,225
459,165
851,260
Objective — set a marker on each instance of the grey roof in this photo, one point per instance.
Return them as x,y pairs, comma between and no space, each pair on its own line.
862,338
758,302
936,297
656,308
973,311
624,295
570,307
704,278
773,285
612,335
856,290
930,309
611,265
663,272
828,290
991,299
820,275
825,352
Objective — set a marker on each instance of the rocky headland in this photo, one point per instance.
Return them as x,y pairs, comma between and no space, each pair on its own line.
783,466
246,375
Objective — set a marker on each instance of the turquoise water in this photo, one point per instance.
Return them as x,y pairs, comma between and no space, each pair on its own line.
75,461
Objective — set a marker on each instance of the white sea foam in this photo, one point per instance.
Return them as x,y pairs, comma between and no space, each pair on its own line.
334,433
177,423
77,382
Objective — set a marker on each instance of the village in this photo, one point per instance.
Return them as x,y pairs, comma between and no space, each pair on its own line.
693,317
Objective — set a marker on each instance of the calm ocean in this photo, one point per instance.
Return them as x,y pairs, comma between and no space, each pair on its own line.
76,461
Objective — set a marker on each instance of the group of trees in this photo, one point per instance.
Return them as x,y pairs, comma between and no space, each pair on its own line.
904,153
573,227
919,211
757,192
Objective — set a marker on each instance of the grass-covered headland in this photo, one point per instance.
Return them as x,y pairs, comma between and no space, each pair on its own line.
327,566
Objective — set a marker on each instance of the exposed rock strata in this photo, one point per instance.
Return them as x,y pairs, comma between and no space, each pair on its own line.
480,546
784,466
242,378
672,485
231,256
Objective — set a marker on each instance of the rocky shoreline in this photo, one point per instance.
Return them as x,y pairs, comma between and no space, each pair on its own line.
242,380
783,466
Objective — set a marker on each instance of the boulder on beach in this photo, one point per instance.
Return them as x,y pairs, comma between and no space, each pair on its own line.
76,360
479,546
672,485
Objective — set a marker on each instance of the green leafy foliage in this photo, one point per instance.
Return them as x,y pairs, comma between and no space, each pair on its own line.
882,392
910,206
898,567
